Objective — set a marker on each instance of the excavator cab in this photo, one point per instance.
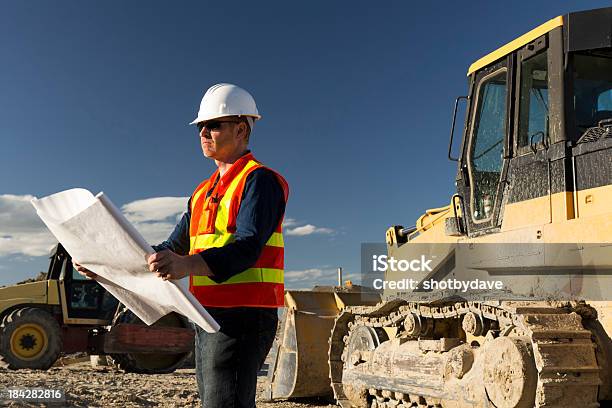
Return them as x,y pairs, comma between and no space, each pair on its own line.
83,301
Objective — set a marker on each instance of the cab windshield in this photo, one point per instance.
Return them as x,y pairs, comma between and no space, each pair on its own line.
592,77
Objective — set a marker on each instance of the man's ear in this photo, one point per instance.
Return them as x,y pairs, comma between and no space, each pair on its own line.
243,131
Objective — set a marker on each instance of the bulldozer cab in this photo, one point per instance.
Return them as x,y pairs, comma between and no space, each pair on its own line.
84,301
531,104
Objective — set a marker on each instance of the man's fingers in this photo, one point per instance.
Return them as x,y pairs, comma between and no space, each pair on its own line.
88,273
162,264
158,256
159,266
164,275
151,257
84,271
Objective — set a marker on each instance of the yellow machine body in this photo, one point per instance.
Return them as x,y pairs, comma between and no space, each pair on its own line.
534,181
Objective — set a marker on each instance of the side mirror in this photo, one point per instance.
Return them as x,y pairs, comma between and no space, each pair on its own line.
455,226
452,132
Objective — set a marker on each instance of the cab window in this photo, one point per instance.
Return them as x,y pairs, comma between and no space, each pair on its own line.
533,104
604,101
486,147
592,99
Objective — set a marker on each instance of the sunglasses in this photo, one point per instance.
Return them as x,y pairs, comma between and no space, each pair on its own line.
213,125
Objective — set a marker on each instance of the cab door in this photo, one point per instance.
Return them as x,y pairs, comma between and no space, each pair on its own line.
84,301
531,171
485,157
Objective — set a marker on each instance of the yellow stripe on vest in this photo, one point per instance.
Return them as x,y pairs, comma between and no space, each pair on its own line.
248,276
220,238
276,239
205,241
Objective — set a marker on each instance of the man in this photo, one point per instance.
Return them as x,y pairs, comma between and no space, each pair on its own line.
230,244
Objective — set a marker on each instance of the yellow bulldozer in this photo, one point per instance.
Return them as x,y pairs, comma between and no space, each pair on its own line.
65,313
531,213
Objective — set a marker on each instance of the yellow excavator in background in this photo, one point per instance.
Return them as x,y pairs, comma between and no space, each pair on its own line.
65,313
531,211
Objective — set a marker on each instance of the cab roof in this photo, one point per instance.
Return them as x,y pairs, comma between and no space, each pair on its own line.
516,44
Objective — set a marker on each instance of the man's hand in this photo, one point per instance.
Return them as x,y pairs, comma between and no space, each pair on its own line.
84,271
169,265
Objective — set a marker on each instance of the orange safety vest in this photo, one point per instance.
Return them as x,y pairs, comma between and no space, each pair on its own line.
213,224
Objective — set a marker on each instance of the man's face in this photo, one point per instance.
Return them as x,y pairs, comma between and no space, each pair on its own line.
222,139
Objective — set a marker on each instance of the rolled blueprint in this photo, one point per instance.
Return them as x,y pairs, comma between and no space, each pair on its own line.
97,235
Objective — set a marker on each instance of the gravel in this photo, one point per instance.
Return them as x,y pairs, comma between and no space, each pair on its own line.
86,386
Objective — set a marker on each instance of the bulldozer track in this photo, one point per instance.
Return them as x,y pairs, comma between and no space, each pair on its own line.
568,374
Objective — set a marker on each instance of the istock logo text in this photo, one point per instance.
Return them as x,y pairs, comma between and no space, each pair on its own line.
382,263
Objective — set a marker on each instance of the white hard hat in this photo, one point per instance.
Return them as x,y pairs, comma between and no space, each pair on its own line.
227,100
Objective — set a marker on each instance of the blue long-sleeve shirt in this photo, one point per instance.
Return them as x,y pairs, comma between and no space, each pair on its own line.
261,209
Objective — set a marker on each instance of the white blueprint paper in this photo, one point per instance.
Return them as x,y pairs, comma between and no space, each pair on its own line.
99,237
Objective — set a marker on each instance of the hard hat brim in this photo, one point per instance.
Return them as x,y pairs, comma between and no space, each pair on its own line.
203,119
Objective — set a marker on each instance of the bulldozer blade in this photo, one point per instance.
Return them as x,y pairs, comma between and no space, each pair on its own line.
299,366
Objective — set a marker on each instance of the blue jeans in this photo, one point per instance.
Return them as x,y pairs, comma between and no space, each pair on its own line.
227,362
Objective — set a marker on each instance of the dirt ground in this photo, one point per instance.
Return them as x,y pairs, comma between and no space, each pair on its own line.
86,386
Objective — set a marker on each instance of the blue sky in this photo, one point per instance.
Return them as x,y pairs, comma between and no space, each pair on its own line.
356,99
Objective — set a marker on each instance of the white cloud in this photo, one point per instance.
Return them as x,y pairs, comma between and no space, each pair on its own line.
291,226
308,229
154,209
155,218
17,214
289,222
306,279
306,274
22,232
